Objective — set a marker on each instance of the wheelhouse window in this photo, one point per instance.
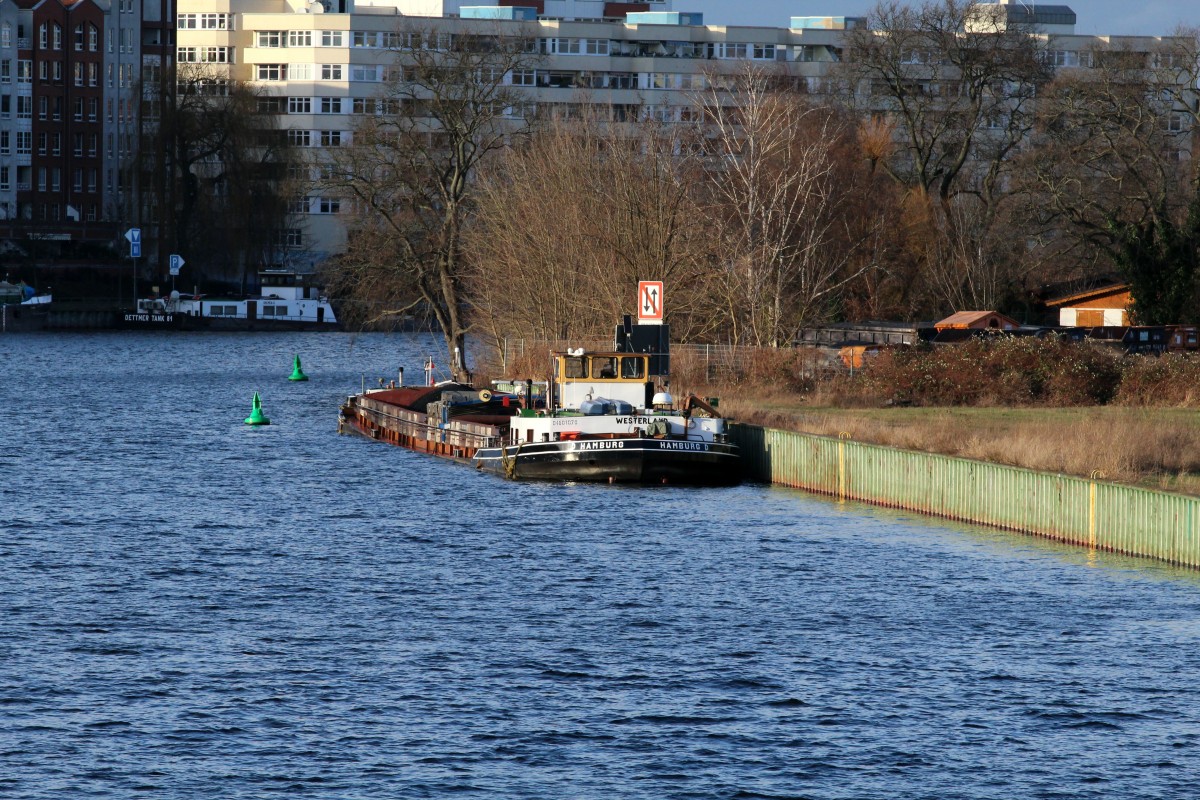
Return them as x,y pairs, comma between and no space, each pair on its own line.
604,367
633,368
573,367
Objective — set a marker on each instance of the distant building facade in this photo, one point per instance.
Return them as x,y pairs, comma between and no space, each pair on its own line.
83,82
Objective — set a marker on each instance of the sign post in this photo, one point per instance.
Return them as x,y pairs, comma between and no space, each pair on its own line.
650,303
134,237
175,263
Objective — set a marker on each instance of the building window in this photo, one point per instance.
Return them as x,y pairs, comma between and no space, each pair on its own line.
24,143
364,73
25,71
595,47
331,138
560,46
56,144
5,106
5,185
6,71
333,39
1066,58
290,237
79,38
331,105
299,39
93,142
271,72
6,35
93,38
299,205
93,73
272,105
79,73
43,36
331,72
299,138
25,106
299,105
77,180
364,39
57,43
299,72
41,180
79,144
329,206
270,38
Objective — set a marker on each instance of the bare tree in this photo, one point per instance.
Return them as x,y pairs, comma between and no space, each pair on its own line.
447,106
570,222
956,83
773,182
1114,170
232,175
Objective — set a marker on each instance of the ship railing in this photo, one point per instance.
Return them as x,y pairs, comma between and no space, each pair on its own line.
476,440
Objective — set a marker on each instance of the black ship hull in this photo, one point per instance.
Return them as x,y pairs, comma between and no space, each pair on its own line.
641,460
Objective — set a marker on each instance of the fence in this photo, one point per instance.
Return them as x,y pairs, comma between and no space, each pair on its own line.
711,362
1091,513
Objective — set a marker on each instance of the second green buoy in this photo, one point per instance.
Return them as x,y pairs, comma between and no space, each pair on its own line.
297,373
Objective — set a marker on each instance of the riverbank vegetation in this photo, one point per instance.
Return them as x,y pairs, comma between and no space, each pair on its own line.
1041,404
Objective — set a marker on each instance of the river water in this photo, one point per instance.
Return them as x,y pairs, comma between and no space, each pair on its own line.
191,608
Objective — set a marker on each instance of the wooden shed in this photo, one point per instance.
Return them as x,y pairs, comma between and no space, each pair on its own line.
1103,306
977,320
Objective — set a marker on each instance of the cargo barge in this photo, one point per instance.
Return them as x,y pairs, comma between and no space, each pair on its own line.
598,418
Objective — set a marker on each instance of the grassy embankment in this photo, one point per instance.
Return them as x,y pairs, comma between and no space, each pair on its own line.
1156,448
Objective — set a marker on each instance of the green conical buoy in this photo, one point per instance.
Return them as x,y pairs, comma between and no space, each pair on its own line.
297,373
256,416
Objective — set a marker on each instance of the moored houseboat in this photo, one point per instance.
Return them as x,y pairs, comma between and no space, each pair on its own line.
286,302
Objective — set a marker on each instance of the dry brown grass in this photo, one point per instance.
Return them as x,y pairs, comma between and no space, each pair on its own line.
1154,448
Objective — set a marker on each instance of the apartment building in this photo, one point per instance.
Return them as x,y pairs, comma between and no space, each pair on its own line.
71,116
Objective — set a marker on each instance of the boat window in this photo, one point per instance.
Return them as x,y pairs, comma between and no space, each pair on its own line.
573,367
633,367
604,367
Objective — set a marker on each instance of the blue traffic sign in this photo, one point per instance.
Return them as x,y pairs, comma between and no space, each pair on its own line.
134,235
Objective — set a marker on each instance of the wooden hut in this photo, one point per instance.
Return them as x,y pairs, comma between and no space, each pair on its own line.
977,320
1102,306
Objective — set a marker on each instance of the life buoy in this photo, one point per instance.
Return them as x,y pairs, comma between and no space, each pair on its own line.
485,395
691,423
